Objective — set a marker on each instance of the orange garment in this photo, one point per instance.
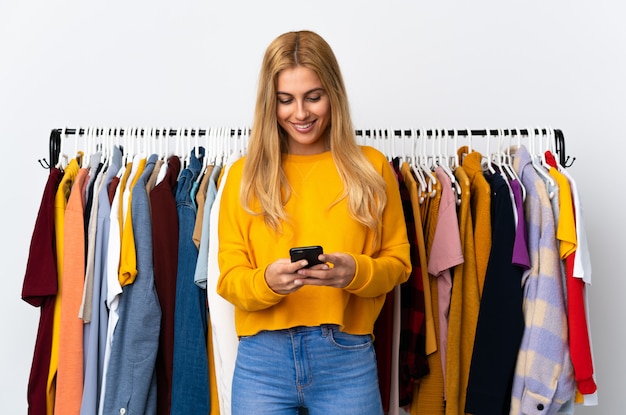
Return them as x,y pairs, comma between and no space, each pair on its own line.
428,396
429,391
481,211
60,202
69,388
429,216
464,307
128,252
429,322
200,200
152,180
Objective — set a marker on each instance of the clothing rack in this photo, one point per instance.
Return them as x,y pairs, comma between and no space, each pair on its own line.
564,160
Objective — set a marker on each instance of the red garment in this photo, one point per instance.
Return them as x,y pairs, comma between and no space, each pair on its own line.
40,289
113,187
383,333
579,344
165,253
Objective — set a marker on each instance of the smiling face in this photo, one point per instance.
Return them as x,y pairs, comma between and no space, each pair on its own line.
303,110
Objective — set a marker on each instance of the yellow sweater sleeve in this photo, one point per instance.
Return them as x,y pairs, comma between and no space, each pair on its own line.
316,217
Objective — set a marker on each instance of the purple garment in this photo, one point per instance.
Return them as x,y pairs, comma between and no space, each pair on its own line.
520,248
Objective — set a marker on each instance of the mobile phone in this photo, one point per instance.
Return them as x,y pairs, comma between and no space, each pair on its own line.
310,253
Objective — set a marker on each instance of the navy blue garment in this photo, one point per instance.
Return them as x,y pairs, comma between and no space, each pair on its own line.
500,323
190,378
131,375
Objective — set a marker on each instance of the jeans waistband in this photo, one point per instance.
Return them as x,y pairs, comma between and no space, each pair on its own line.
325,329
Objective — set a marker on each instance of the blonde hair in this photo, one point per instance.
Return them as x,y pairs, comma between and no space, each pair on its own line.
264,187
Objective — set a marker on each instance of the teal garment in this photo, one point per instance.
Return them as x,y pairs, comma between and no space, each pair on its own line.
193,192
202,265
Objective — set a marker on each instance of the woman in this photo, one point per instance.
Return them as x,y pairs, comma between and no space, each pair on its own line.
306,333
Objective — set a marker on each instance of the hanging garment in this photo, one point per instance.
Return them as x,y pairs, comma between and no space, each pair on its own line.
500,321
89,310
200,200
128,253
580,348
581,268
413,363
446,252
131,380
165,256
190,382
39,289
520,247
464,305
225,339
114,289
60,203
94,179
204,208
384,335
429,397
202,274
541,356
94,363
481,216
70,361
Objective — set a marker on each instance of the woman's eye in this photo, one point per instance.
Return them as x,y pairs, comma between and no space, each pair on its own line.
314,99
285,100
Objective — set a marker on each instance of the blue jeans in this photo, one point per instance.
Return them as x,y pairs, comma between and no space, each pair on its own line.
317,368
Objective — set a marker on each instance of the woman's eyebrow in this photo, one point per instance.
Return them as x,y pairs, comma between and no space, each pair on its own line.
318,89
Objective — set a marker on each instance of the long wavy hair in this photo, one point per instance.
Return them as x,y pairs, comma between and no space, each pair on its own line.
264,187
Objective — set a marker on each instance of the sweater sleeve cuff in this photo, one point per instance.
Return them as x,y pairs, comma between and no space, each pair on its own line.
267,296
586,386
361,275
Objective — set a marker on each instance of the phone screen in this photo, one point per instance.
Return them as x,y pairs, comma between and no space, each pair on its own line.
310,253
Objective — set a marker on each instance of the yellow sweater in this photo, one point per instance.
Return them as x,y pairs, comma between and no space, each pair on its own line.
247,247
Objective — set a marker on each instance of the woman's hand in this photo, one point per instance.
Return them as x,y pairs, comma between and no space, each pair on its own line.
284,276
281,276
337,271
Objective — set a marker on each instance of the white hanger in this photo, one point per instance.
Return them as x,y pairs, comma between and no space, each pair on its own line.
221,138
205,158
544,134
508,163
178,151
104,143
391,143
245,141
164,153
536,165
153,142
426,169
123,136
454,159
419,175
489,166
87,145
77,152
162,140
443,161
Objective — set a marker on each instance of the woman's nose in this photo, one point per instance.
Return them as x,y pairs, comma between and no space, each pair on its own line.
301,111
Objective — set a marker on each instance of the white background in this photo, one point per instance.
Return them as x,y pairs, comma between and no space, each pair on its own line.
452,64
